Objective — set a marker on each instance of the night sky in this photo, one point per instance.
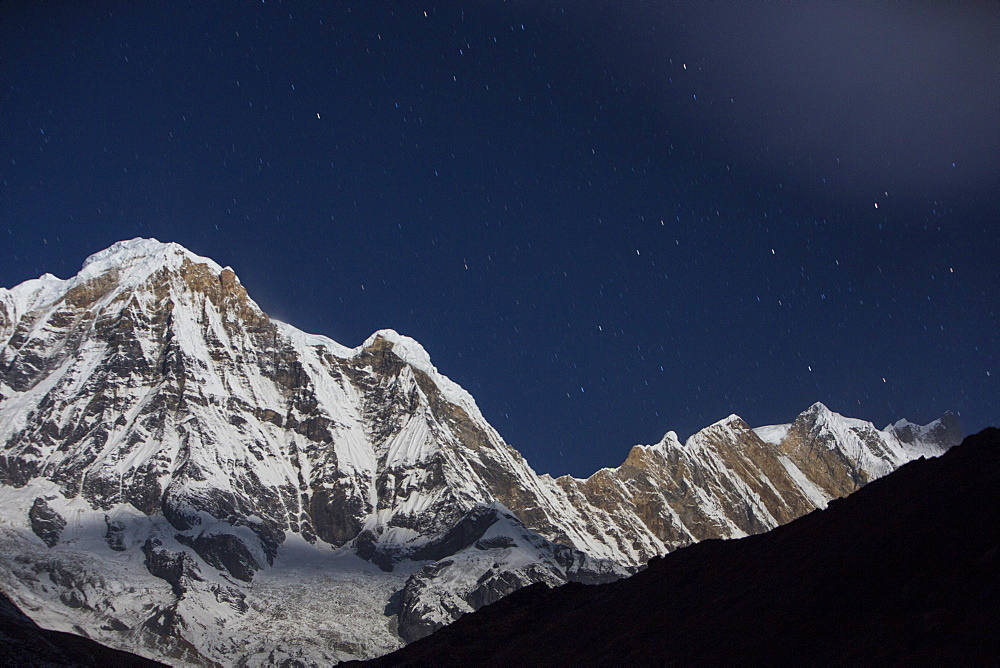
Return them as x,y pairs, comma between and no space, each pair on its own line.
603,219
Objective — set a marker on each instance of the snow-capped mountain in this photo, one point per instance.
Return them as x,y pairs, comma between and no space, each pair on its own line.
176,464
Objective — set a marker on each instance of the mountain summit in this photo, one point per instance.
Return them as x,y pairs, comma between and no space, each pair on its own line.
175,463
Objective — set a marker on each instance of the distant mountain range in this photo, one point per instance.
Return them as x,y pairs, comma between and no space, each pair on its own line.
183,477
903,572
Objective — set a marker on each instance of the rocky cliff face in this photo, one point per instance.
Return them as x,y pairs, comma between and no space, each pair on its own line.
173,462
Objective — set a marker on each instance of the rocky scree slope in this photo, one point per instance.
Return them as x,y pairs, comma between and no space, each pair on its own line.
173,462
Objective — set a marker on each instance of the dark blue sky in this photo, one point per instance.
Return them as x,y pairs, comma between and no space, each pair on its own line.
605,220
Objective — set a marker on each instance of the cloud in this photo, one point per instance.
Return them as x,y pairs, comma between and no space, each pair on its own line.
903,96
870,96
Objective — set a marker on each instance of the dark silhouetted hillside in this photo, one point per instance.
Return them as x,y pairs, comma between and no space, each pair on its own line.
24,643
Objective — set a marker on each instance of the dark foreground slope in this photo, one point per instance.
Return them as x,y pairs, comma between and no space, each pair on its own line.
24,643
905,570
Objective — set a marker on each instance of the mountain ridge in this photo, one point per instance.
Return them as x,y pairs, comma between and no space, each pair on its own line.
158,425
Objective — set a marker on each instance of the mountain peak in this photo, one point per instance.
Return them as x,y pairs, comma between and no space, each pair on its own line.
143,252
733,421
416,356
670,438
944,431
818,408
819,416
404,346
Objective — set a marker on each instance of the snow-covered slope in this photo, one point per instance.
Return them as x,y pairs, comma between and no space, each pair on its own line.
175,463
